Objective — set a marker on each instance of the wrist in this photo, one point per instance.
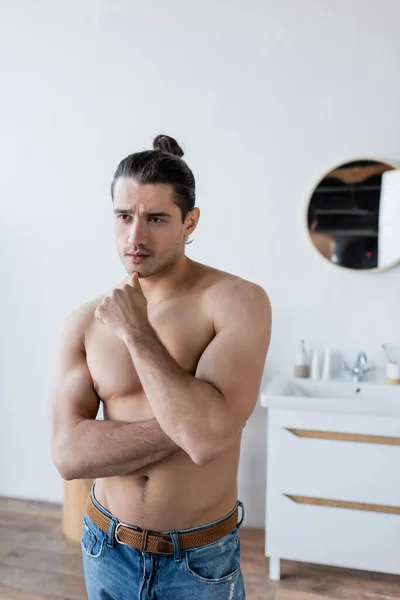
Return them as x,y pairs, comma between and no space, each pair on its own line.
131,334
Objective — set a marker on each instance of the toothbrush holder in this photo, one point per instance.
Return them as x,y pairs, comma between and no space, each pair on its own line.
393,373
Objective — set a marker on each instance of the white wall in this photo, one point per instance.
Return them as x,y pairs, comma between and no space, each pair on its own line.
265,96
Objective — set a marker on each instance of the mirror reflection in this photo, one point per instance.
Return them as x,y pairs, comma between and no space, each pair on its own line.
354,215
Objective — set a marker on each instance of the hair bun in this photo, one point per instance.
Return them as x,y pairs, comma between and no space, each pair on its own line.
164,143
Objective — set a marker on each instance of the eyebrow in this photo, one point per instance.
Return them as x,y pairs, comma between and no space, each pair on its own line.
128,211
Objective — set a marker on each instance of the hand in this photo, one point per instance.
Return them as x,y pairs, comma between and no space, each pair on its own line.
125,309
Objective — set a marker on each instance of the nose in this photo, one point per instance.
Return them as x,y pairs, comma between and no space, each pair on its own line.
138,232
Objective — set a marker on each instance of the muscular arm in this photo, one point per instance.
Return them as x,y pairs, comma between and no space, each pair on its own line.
205,413
108,448
81,446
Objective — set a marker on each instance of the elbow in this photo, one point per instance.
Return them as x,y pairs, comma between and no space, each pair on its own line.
214,449
204,456
68,473
63,462
201,460
197,449
65,468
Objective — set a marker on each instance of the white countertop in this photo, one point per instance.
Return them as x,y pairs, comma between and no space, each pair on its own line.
286,392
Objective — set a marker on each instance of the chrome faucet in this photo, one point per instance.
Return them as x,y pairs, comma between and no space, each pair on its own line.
361,367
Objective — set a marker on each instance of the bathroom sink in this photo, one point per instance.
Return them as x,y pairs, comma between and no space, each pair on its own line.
340,390
343,395
332,454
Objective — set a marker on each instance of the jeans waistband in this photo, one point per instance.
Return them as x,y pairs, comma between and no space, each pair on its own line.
111,516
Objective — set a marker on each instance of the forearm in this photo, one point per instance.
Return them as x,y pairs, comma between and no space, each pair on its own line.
189,410
95,448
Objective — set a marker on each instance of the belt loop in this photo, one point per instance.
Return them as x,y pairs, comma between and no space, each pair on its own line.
177,549
241,520
111,533
143,540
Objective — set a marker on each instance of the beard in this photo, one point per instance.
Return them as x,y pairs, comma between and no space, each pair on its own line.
154,264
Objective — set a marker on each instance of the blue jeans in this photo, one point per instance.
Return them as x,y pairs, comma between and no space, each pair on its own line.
115,571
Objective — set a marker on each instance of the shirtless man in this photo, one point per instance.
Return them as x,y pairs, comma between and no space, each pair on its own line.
176,354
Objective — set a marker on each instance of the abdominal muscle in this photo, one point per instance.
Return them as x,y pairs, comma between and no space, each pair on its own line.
173,493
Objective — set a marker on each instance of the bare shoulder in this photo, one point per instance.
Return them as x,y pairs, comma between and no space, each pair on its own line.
236,291
80,318
229,294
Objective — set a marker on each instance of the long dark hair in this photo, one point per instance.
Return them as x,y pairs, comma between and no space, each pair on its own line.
163,164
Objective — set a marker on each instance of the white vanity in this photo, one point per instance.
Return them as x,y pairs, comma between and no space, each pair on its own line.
333,474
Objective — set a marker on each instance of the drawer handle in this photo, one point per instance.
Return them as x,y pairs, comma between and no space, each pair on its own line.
380,508
346,437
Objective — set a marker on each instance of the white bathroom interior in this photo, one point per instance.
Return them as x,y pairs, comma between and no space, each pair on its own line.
288,113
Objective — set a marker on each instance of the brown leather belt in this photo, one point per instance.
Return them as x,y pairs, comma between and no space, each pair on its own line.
161,543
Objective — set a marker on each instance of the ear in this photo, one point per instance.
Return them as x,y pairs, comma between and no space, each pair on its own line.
191,221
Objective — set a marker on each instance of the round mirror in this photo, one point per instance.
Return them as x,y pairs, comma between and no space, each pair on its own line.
353,215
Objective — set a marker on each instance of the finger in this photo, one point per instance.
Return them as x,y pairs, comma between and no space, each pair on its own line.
135,282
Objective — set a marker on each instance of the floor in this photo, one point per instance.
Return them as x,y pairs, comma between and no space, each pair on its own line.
37,563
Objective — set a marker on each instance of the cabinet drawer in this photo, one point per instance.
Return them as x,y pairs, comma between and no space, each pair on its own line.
334,469
334,536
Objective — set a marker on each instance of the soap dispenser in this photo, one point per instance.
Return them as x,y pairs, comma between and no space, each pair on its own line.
316,365
326,365
302,367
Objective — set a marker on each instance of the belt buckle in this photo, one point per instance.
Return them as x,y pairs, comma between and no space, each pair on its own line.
163,546
120,524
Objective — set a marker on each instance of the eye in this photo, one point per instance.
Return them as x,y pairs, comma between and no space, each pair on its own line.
122,215
155,220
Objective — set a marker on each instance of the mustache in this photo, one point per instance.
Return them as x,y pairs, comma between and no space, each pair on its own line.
141,250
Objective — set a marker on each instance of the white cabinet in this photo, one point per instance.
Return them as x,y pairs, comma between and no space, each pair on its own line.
333,489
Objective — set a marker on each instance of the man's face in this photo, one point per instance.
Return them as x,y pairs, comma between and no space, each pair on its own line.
148,226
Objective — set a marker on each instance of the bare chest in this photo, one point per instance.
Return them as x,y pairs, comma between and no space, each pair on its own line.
183,330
